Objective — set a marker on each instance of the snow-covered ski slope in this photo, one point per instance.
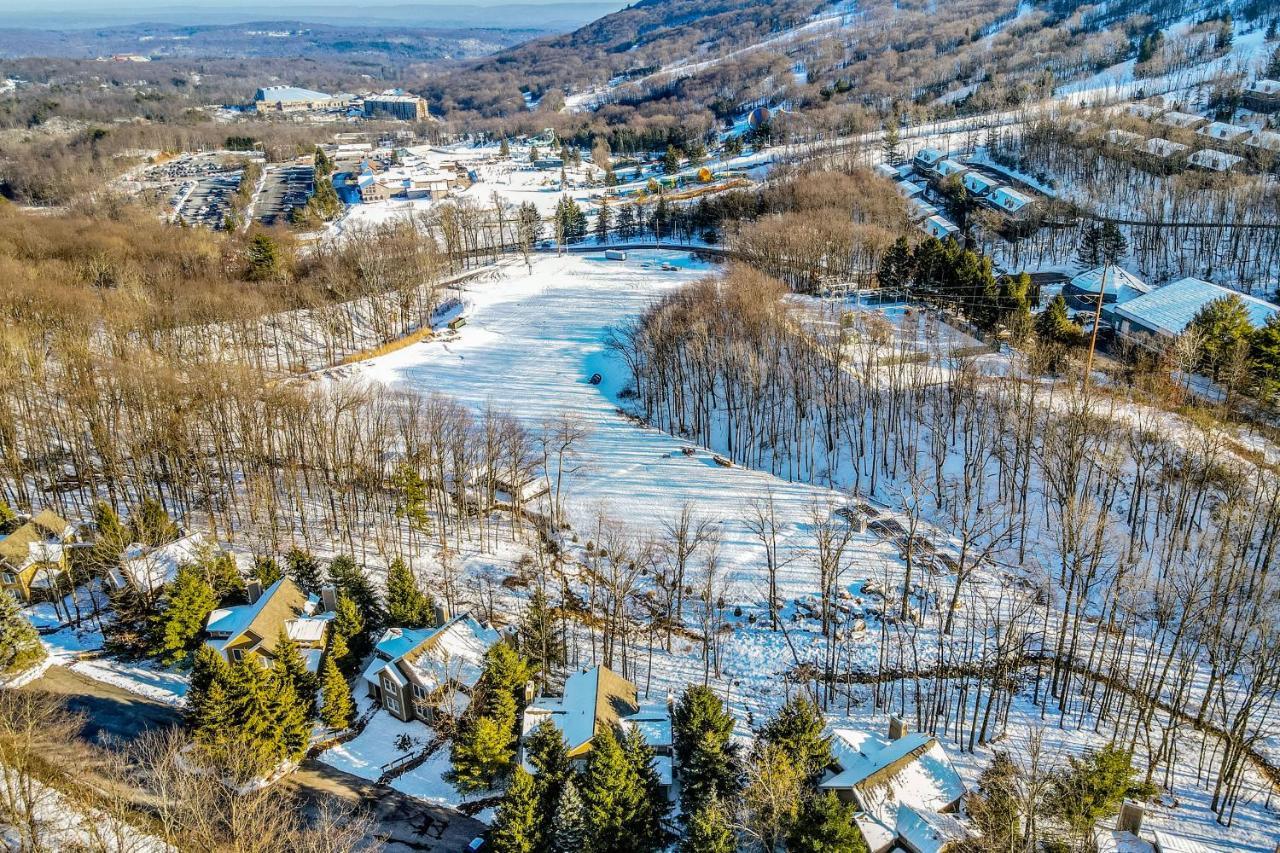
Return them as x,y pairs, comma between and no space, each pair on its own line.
530,346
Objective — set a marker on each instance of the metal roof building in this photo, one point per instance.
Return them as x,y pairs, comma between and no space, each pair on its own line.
1170,309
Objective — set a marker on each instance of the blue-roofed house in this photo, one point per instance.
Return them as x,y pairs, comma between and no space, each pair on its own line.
903,785
947,168
1167,311
927,159
1010,202
978,184
1116,284
417,671
940,227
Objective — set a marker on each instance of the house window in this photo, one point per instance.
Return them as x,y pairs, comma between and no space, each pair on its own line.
10,577
237,655
392,703
419,691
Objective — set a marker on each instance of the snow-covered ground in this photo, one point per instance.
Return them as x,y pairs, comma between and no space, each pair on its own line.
532,342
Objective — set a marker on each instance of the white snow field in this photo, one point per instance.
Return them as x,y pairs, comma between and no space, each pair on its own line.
530,346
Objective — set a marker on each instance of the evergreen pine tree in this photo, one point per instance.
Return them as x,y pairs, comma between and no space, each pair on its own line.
292,720
351,581
480,753
348,622
335,705
266,571
1264,352
220,572
515,826
291,668
504,150
1089,253
9,518
1223,325
797,729
568,832
505,674
305,571
340,652
708,759
826,825
671,160
895,266
708,831
538,636
150,524
603,222
653,806
184,610
207,667
407,605
1056,326
613,797
20,647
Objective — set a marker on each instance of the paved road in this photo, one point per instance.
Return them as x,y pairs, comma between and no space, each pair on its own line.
402,823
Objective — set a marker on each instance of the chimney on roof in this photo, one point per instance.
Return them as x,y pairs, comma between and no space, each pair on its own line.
254,588
897,727
329,598
442,613
1130,819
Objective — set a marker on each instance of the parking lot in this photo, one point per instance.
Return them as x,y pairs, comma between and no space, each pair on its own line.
284,188
209,201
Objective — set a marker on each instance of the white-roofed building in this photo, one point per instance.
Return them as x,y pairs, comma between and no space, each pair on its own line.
1262,96
1264,140
919,210
1214,161
1146,111
148,569
909,189
905,781
1224,132
1182,121
414,672
947,168
1167,311
1116,284
1163,149
287,99
1123,138
594,700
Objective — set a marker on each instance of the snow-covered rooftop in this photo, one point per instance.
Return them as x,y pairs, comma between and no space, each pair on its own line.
1218,161
937,226
1125,138
1168,310
1264,87
289,94
151,568
1160,147
433,657
1223,131
1185,121
1007,198
913,770
1267,140
1118,281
